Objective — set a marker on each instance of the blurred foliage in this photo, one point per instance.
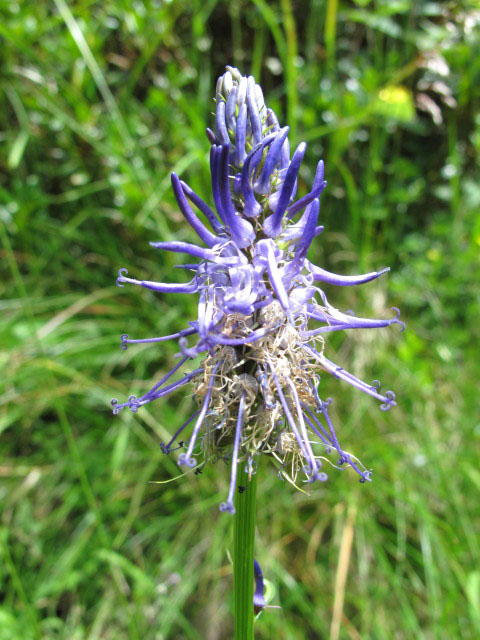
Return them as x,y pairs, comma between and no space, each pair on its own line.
100,101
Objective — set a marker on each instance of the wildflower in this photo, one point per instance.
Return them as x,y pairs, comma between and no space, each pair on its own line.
257,387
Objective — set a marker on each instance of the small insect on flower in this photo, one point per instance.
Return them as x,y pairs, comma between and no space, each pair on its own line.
257,387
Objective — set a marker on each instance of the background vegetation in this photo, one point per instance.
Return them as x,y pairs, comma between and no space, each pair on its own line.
100,101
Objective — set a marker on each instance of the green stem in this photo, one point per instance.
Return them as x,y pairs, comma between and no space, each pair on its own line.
330,32
244,538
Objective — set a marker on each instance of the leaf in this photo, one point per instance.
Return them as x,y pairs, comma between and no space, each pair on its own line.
395,101
473,592
18,147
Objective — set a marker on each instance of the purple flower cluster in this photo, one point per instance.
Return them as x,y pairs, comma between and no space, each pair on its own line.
258,293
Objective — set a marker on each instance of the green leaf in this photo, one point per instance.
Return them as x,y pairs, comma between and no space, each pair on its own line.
395,101
17,150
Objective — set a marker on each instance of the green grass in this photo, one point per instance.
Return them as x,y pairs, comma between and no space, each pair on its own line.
100,101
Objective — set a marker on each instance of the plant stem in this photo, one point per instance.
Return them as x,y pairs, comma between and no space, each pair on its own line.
244,538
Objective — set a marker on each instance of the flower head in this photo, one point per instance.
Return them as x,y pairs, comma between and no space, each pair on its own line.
259,295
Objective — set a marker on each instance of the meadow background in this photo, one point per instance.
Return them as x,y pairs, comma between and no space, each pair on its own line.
99,102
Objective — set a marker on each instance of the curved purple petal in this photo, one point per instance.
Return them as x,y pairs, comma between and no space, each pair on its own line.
228,505
242,91
230,109
272,121
185,247
262,185
220,124
240,154
295,266
191,287
273,224
317,187
342,281
126,340
203,207
285,154
166,448
207,236
214,170
275,277
242,231
211,136
253,112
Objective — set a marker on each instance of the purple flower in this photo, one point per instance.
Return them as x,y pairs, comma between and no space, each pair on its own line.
262,316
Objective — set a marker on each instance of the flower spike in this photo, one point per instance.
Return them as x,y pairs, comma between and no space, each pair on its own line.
263,319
